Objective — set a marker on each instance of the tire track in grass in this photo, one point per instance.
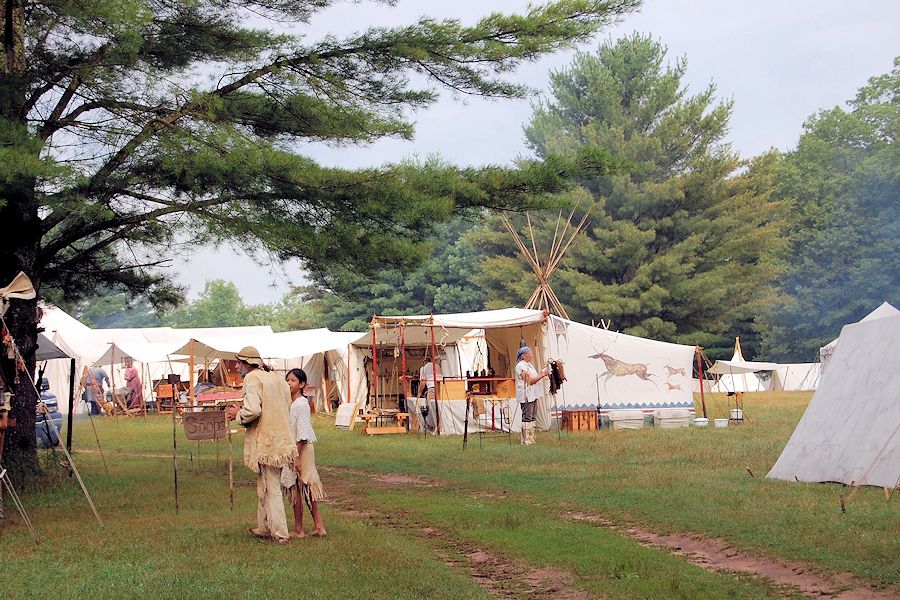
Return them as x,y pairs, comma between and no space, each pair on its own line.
708,553
499,575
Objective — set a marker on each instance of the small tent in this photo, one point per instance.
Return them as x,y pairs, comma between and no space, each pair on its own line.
739,375
795,377
850,432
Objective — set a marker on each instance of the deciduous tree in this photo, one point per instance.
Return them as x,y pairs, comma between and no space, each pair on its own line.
842,189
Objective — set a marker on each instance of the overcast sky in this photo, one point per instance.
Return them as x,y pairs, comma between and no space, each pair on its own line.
780,61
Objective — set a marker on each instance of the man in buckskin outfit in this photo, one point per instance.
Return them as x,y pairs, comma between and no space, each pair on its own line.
268,445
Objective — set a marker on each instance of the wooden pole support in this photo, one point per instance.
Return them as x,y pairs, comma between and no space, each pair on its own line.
175,458
230,466
699,350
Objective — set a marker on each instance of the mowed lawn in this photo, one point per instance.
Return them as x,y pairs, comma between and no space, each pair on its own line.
405,510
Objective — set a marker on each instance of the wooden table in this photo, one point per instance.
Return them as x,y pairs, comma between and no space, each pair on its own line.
400,419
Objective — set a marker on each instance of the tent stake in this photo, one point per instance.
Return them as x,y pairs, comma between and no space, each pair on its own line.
231,465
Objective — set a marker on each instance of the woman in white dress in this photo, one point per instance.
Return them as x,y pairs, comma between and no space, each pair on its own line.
303,481
528,390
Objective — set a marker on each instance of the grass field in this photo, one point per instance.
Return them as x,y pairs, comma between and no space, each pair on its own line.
414,518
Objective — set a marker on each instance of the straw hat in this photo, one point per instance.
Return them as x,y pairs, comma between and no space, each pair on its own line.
250,355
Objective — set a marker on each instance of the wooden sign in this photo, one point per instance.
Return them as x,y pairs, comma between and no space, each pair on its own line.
210,425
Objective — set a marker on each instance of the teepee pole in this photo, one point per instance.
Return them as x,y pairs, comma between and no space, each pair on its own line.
555,233
575,233
521,245
537,257
558,240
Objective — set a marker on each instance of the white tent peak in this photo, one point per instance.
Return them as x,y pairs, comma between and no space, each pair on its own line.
56,319
737,365
886,309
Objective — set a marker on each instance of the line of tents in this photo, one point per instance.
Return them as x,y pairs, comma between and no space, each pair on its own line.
605,369
849,433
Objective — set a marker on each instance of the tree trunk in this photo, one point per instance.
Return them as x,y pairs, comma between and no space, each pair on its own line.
18,252
19,247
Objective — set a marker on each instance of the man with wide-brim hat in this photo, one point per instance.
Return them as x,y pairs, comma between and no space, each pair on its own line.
268,445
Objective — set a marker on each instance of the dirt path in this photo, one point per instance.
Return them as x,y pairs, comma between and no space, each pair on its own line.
499,575
709,553
716,555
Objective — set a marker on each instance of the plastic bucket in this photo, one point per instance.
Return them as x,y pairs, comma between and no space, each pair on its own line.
701,422
737,414
721,422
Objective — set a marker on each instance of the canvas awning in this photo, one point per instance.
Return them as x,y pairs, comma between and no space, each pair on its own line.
448,328
737,367
142,352
47,350
286,345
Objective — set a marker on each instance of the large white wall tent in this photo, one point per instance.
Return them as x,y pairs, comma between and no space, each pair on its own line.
604,369
850,432
609,370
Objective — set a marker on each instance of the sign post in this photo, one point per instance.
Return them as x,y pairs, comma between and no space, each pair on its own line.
174,380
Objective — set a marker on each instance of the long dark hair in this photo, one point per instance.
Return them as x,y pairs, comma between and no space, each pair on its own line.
300,374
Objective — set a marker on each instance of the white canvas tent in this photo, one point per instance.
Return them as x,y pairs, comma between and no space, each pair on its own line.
628,371
321,353
153,360
87,345
850,432
739,375
826,351
610,370
795,377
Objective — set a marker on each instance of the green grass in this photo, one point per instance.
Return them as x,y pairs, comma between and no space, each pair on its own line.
505,499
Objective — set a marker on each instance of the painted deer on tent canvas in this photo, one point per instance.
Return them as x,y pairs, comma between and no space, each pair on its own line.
618,368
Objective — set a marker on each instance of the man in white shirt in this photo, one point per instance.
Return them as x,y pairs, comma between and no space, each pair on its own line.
428,377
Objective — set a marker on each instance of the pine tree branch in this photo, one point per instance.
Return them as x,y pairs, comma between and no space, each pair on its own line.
73,234
90,61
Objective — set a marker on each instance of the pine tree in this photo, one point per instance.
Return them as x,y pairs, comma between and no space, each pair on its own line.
441,284
676,244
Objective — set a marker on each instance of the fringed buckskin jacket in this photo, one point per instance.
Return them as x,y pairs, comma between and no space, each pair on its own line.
264,413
